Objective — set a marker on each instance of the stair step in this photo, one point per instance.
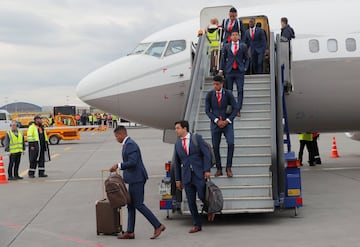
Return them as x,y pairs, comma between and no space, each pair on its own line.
246,139
239,122
244,114
247,170
255,106
244,180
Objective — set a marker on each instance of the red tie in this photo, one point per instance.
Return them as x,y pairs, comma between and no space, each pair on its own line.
235,66
230,29
252,33
218,96
184,145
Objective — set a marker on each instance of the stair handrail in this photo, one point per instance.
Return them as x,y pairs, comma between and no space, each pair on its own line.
199,71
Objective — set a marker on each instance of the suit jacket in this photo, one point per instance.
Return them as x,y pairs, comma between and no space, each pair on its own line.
228,58
214,111
198,160
226,34
133,167
259,44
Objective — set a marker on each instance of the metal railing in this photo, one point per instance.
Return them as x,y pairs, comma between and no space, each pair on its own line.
199,72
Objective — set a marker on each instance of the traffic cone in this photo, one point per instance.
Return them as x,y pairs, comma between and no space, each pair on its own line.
334,152
3,179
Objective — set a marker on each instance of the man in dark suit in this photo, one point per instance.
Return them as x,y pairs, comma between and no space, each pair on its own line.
255,39
192,168
216,105
234,63
232,24
135,175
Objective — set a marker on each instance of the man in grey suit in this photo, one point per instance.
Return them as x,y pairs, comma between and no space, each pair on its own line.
192,168
135,175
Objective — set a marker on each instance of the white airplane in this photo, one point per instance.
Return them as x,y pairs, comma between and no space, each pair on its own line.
149,85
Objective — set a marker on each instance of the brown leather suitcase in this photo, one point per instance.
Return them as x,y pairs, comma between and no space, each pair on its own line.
108,219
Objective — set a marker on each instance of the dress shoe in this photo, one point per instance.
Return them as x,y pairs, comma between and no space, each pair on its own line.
158,231
127,235
238,114
312,164
11,178
195,229
31,176
211,216
43,175
229,172
218,173
17,177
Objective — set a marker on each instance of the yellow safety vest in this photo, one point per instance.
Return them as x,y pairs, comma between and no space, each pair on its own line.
214,38
305,137
16,142
33,134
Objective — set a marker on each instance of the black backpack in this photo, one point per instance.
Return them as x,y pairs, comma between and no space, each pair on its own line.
211,150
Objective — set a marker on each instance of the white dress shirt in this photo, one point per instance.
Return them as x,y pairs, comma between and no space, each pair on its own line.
123,143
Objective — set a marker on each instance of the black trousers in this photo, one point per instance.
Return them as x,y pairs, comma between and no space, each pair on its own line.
310,149
40,163
14,164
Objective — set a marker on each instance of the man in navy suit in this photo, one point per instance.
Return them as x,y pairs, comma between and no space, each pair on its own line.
234,63
135,175
232,24
256,40
216,105
192,168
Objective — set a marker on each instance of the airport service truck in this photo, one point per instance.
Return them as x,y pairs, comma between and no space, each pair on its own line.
64,128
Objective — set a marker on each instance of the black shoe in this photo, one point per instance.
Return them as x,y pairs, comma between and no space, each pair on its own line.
11,178
31,176
312,164
43,175
18,177
318,161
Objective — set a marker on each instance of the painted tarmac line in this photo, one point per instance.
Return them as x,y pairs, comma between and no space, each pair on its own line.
68,238
67,148
329,168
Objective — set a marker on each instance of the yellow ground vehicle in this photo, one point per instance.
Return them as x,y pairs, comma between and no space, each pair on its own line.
64,128
25,118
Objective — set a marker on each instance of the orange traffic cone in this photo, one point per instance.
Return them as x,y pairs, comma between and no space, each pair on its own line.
334,152
3,179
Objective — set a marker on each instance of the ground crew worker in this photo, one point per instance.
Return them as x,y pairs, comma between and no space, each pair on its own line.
316,148
77,118
91,119
38,147
306,140
114,121
213,35
14,143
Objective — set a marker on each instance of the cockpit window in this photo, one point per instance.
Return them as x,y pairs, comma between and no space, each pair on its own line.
175,46
140,48
156,49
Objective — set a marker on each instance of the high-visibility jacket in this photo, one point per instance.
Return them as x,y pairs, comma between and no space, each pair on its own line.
16,143
305,137
214,38
90,118
33,134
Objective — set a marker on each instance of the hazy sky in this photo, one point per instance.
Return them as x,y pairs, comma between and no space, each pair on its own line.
48,46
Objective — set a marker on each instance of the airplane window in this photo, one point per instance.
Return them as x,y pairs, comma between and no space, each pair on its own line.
156,49
314,45
350,44
332,45
2,116
175,46
140,48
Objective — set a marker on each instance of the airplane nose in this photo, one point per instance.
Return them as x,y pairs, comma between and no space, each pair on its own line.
106,80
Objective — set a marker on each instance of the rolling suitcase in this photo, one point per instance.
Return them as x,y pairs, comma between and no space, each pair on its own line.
108,219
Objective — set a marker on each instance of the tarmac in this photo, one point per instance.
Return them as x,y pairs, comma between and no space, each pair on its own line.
60,210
